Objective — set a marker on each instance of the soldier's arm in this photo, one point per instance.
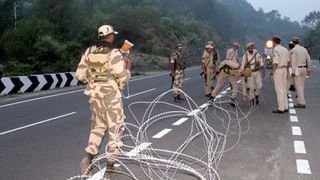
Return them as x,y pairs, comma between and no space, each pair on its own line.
276,61
243,62
172,61
228,55
81,72
309,65
121,73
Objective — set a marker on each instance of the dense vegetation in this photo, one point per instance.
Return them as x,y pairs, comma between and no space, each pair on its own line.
49,36
312,36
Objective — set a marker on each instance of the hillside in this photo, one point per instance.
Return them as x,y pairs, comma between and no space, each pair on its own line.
51,35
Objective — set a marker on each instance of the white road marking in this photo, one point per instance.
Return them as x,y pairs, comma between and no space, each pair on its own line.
296,131
194,112
37,123
228,89
290,96
158,75
290,100
239,81
161,133
294,119
40,98
299,147
99,175
218,97
180,121
291,105
138,149
303,166
292,111
224,92
187,79
140,93
204,106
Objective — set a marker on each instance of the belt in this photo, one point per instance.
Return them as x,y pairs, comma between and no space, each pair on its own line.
303,66
255,70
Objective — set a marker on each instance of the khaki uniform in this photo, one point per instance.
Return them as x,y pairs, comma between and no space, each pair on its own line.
228,70
254,82
232,55
104,71
209,66
281,57
301,63
179,67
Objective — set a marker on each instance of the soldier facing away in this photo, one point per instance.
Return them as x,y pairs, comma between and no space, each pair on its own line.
178,65
301,65
103,69
279,74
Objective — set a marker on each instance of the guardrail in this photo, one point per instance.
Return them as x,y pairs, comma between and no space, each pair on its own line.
33,83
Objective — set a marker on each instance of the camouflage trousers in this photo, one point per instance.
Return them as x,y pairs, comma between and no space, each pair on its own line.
177,83
107,115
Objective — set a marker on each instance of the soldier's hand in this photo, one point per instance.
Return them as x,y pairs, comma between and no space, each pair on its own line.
128,63
308,73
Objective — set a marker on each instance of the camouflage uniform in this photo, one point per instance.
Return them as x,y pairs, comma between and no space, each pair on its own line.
179,67
105,78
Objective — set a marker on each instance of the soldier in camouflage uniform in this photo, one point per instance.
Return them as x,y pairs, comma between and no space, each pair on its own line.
178,65
208,61
103,69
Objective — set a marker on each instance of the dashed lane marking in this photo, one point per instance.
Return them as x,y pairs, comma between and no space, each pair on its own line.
294,119
37,123
138,149
180,121
299,147
292,111
303,166
161,133
296,131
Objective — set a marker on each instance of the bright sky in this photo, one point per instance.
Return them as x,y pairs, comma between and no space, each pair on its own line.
294,9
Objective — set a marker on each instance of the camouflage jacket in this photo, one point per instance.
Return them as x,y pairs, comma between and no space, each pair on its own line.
110,88
178,61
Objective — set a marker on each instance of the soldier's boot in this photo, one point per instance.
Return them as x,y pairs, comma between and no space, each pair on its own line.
252,102
180,98
175,98
85,163
257,100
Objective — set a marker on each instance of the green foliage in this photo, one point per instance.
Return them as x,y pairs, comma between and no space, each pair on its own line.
51,35
312,35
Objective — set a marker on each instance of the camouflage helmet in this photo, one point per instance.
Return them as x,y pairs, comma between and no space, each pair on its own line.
105,30
178,46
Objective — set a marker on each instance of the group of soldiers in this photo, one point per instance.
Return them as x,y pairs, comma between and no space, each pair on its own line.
106,70
288,67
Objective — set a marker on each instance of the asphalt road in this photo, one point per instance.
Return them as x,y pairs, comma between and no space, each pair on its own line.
43,135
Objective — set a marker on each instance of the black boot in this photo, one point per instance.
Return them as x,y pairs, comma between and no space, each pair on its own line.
252,102
257,100
85,163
